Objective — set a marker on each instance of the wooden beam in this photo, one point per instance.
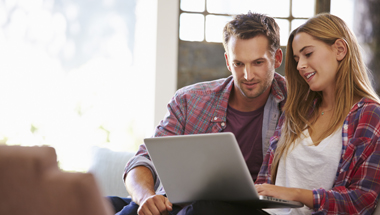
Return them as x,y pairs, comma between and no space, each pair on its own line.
322,6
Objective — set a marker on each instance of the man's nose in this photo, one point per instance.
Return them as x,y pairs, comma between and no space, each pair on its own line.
248,73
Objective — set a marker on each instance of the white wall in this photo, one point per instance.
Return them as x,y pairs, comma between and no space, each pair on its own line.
166,56
345,10
156,57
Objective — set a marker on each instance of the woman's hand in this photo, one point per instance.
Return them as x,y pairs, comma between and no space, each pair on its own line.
276,191
293,194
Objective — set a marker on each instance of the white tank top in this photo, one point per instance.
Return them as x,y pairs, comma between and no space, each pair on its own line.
309,167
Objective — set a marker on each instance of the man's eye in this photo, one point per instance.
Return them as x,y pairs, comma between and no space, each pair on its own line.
258,63
237,64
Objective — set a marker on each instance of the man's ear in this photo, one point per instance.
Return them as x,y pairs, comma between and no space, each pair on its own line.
227,63
341,49
278,58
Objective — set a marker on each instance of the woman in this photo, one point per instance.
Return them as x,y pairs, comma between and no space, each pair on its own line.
325,152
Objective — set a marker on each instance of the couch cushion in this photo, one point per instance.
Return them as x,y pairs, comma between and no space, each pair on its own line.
108,167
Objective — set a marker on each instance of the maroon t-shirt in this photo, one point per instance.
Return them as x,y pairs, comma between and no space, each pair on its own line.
247,128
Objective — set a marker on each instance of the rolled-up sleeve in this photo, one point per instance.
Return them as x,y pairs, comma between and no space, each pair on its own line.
141,160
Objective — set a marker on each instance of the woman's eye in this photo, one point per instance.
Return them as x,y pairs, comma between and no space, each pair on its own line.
308,54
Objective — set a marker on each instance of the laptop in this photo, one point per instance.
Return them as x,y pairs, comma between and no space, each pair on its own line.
206,167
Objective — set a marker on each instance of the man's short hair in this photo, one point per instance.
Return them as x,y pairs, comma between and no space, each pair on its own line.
250,25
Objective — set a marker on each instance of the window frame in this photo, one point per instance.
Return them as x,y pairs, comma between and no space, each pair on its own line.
320,7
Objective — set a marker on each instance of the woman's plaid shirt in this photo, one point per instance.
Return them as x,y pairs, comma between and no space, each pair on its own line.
357,184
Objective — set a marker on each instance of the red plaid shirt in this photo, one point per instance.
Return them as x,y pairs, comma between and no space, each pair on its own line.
357,184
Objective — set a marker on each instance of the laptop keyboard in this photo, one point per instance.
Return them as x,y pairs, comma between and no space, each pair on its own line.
269,198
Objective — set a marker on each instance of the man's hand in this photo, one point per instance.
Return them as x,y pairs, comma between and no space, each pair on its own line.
140,185
155,205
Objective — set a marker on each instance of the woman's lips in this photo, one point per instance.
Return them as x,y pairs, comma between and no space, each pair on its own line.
309,76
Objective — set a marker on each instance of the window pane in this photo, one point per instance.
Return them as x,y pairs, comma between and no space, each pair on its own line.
243,6
303,8
223,6
214,27
284,31
275,8
297,22
193,5
191,27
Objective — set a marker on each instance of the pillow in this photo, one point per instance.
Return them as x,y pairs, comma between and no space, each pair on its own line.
108,167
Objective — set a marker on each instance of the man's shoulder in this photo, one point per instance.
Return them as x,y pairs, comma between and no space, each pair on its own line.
207,87
280,80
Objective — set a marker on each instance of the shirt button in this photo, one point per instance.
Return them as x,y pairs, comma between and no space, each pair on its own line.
345,126
215,118
223,124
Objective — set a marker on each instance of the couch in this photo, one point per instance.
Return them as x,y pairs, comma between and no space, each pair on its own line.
32,184
108,166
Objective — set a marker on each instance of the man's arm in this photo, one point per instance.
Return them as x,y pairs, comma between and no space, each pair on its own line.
140,185
139,176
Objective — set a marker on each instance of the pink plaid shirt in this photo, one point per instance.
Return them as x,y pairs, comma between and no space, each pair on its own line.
202,108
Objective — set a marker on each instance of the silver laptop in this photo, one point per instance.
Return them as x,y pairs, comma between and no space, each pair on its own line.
206,167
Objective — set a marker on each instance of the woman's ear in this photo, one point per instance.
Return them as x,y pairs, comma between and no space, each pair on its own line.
341,49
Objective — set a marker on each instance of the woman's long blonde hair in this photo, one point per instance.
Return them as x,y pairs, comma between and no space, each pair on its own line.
352,80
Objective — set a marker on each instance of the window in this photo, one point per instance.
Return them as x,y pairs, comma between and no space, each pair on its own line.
203,20
66,69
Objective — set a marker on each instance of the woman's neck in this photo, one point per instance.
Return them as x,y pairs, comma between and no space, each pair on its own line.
328,101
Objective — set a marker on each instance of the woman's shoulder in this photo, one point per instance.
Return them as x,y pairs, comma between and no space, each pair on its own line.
365,115
368,106
363,124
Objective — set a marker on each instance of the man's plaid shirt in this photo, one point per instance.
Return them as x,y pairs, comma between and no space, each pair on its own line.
202,108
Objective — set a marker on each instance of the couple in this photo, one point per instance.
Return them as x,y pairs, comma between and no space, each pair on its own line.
325,149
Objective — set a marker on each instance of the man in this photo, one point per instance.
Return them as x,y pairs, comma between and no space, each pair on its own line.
248,104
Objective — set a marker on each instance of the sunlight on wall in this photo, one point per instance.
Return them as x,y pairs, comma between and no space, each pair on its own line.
345,10
67,78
